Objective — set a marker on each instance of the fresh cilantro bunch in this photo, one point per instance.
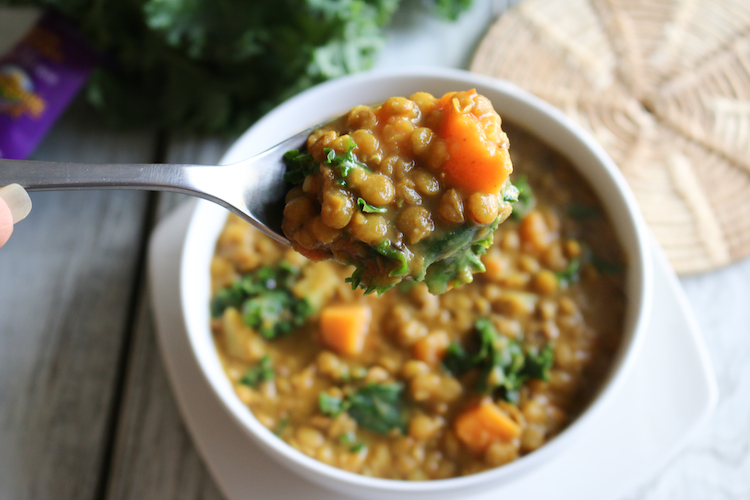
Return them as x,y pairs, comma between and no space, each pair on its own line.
214,66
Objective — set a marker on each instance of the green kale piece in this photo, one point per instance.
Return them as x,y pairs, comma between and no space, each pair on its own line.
266,300
381,259
281,426
387,249
210,66
502,364
344,163
378,407
370,209
581,211
453,259
571,273
350,439
227,297
526,200
331,406
261,372
511,194
275,313
451,9
606,267
538,363
298,166
456,360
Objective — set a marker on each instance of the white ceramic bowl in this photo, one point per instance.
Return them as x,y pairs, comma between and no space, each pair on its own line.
335,98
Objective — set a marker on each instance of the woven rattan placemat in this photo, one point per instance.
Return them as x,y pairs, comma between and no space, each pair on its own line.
664,86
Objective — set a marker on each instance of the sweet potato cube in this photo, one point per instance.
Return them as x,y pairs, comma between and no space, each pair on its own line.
480,426
343,327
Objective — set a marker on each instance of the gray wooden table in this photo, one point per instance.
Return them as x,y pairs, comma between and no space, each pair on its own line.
85,408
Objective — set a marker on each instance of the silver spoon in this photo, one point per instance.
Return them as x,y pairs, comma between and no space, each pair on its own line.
254,188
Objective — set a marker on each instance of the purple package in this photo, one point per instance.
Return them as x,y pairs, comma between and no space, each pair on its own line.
38,79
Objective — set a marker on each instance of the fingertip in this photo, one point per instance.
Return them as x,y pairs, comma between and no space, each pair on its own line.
6,222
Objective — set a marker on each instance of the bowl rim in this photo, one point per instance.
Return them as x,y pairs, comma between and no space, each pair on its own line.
639,270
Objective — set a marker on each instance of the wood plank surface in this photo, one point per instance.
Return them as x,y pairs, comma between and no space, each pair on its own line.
66,294
154,457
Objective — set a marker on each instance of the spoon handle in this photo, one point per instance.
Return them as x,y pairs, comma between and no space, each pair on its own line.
253,190
45,176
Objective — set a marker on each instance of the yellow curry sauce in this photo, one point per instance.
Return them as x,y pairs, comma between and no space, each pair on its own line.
416,386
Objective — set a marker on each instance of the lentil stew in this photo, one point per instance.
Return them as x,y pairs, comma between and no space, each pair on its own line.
411,385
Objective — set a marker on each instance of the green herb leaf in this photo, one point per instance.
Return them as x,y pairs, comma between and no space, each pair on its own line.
266,300
579,211
606,267
502,364
351,439
450,9
376,407
538,365
331,406
456,360
571,273
345,163
225,298
370,209
526,200
298,166
210,66
511,194
281,426
261,372
387,249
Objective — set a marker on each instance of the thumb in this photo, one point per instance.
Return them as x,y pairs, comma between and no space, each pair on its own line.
15,205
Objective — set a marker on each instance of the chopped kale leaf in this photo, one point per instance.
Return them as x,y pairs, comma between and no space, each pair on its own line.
511,194
298,166
345,163
266,301
538,364
571,273
378,407
350,439
329,405
281,426
502,364
370,209
261,372
579,211
526,200
606,267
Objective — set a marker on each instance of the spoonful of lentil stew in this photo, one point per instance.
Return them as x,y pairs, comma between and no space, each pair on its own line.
411,189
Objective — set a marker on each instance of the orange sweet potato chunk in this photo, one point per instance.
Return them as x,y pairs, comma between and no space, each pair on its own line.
480,426
343,327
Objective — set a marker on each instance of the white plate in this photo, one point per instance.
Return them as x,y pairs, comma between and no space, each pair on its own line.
668,395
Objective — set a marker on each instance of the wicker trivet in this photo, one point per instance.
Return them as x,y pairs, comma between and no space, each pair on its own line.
664,85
